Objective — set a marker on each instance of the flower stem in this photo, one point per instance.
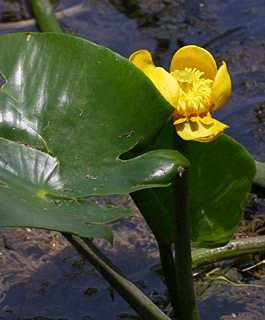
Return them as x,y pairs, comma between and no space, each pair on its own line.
168,266
160,222
234,249
260,174
187,307
116,278
45,16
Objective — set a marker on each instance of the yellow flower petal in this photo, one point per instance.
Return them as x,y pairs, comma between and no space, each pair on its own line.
194,57
192,118
200,132
166,84
164,81
221,88
143,60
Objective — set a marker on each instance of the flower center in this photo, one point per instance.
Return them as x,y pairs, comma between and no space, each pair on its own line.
195,93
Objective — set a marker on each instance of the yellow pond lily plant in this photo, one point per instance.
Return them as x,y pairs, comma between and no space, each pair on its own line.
194,87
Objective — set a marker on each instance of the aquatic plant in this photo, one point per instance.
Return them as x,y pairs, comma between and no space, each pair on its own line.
78,120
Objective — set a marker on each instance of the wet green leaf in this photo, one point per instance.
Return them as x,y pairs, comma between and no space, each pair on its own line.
26,176
69,110
220,179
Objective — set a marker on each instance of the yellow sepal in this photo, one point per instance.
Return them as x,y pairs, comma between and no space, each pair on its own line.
163,80
221,88
194,57
200,132
166,84
143,60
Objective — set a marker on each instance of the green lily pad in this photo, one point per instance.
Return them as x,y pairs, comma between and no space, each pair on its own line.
26,174
69,111
220,179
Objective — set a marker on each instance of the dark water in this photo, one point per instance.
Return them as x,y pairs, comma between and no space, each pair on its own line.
42,277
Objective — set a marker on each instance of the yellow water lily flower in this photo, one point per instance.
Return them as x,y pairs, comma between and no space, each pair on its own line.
194,87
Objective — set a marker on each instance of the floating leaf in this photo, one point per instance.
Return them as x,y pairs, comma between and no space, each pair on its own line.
220,179
69,111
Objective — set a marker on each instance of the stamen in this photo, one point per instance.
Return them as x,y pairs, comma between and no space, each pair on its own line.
195,93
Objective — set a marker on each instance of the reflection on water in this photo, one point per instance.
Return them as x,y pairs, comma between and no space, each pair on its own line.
41,274
42,277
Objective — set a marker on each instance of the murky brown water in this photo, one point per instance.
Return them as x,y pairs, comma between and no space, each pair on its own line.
42,277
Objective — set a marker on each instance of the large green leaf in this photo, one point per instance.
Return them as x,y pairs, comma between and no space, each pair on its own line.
25,175
69,110
220,179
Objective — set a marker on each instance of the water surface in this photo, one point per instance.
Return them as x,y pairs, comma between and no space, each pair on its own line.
42,277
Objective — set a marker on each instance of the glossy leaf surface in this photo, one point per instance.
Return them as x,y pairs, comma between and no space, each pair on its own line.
68,110
26,174
220,179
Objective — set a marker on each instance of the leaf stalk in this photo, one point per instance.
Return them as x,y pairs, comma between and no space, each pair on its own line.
187,307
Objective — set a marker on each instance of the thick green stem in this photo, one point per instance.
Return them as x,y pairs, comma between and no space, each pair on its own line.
168,266
160,222
260,174
186,297
235,248
45,16
117,279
